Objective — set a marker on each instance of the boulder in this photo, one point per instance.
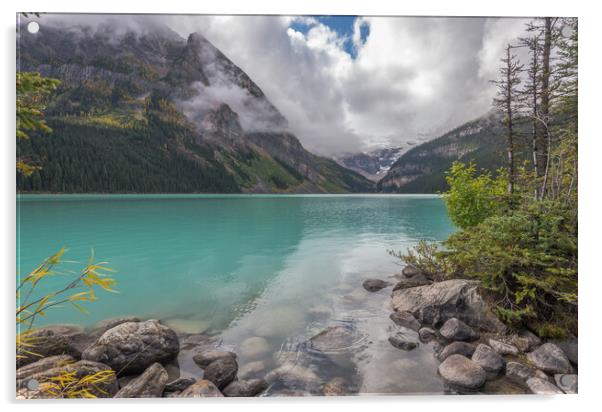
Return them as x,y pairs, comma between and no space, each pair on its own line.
488,359
221,371
566,382
405,282
405,319
540,386
459,371
426,334
203,359
404,339
43,365
550,359
519,371
456,348
246,388
374,285
254,347
456,330
104,389
52,341
179,384
334,339
131,347
456,298
201,389
335,387
148,385
104,325
570,347
411,271
503,348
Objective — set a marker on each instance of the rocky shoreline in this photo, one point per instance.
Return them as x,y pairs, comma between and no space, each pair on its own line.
474,350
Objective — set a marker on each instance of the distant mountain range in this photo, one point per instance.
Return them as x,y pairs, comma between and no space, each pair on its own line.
374,164
422,168
153,112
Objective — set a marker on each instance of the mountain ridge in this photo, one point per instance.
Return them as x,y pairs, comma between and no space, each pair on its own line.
159,102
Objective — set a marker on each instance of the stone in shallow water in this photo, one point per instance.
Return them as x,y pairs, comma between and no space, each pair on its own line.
221,371
179,384
411,271
374,285
201,389
540,386
503,348
53,341
426,334
43,365
404,339
188,325
254,347
566,382
455,329
246,388
203,359
294,376
488,359
550,359
251,369
456,348
335,339
458,370
405,319
148,385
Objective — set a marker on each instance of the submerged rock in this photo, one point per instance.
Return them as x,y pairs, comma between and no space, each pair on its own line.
458,370
148,385
221,371
251,369
246,388
456,348
374,285
540,386
405,319
550,359
335,387
254,347
456,298
488,359
566,382
294,376
201,389
203,359
335,338
131,347
456,330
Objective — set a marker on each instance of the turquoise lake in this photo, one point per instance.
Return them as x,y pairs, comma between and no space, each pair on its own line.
238,266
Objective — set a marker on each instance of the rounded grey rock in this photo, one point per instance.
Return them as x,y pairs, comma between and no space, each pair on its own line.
458,370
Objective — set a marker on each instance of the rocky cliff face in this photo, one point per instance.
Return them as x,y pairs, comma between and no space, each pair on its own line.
422,169
185,93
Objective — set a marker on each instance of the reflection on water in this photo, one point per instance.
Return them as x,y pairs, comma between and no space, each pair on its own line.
264,273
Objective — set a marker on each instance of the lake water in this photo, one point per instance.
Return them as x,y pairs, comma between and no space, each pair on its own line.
281,268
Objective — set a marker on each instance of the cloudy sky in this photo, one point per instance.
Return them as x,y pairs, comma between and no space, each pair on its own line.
352,83
348,84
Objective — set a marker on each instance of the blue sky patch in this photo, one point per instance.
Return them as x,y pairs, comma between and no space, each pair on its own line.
342,25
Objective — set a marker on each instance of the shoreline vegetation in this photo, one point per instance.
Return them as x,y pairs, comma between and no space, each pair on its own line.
497,300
